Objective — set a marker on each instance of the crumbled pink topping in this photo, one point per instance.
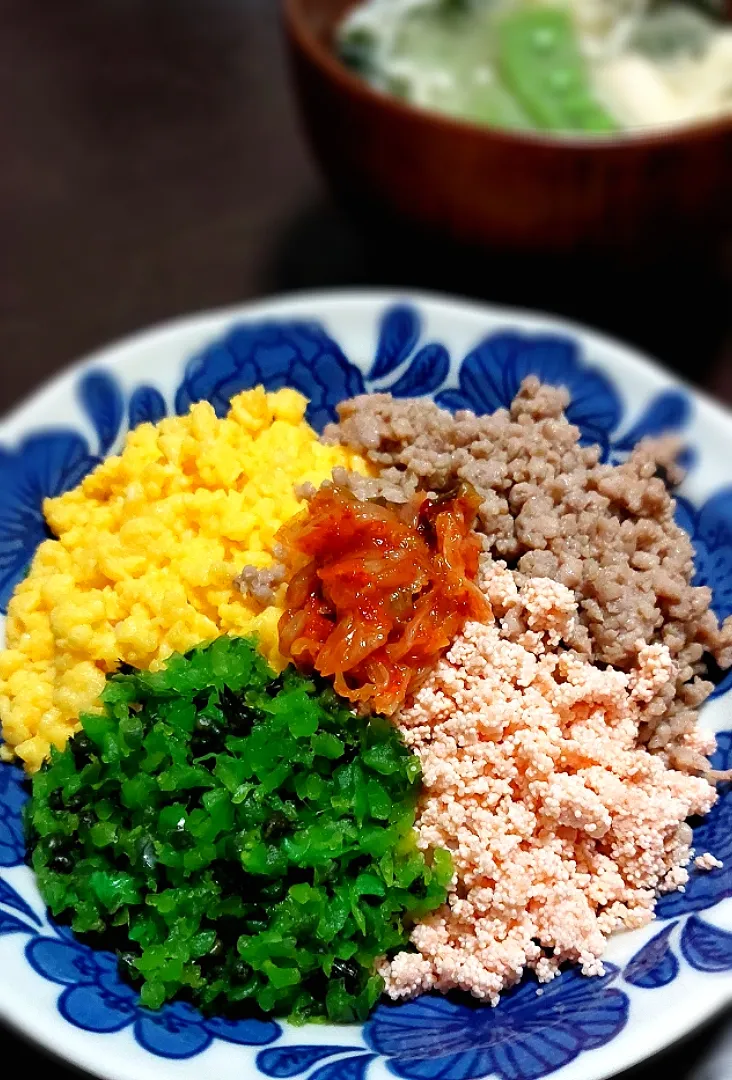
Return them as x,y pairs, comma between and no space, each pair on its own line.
707,861
561,828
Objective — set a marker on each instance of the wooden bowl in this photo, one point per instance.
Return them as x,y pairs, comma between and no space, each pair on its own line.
632,194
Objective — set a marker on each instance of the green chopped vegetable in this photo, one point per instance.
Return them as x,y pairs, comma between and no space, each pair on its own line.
237,836
540,62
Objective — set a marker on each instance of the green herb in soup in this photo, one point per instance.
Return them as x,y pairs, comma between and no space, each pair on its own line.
540,62
237,837
560,66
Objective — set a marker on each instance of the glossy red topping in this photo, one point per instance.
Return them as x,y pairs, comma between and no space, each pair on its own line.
377,593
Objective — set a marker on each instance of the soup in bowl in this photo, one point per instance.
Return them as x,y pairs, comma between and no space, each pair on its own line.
479,151
582,66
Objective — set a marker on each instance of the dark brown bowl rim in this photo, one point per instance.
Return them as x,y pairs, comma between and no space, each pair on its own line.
331,66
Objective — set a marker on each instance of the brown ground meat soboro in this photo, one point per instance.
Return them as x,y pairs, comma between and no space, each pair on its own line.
550,509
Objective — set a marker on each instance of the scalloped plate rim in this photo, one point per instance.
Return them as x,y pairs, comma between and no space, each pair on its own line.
296,303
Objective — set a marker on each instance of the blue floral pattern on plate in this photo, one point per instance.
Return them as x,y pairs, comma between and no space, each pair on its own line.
710,528
535,1031
529,1035
45,465
706,947
297,354
12,799
713,834
656,964
288,1061
96,999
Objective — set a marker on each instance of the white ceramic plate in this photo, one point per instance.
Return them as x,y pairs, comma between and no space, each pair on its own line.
661,981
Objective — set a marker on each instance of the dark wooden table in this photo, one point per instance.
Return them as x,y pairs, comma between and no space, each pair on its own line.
152,166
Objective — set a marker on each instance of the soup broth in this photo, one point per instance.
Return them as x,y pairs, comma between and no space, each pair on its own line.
584,66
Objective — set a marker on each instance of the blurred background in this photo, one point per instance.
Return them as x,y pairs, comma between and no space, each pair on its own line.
153,166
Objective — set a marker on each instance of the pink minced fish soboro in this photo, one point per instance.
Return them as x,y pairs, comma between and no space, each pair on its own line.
563,829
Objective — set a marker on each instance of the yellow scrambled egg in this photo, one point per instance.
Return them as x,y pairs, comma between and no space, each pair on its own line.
148,546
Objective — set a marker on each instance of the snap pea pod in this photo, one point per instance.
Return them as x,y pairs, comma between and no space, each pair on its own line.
541,64
495,106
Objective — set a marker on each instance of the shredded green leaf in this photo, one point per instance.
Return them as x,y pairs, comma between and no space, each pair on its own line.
237,837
